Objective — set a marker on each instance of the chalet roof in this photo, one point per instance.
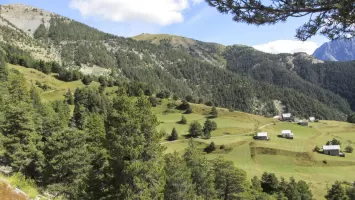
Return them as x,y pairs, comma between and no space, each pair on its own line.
286,132
262,134
286,114
331,147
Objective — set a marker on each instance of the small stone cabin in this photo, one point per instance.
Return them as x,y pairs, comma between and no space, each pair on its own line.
332,150
287,134
303,123
286,116
261,136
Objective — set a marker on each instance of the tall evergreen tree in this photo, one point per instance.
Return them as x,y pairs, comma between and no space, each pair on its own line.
21,138
202,173
178,179
195,129
214,112
230,182
174,135
68,162
136,155
3,70
336,192
269,183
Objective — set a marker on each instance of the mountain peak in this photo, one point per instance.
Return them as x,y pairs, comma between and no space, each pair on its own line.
337,50
24,17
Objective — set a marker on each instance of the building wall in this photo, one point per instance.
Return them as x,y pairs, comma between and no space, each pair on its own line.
332,152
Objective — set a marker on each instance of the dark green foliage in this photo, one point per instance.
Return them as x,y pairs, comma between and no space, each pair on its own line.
195,129
269,69
262,13
230,182
210,148
163,94
333,142
87,79
68,162
349,149
174,135
69,97
178,181
3,70
316,149
41,32
183,120
350,192
202,173
256,184
351,118
336,192
154,101
269,183
190,99
184,105
175,97
188,110
134,149
214,113
208,127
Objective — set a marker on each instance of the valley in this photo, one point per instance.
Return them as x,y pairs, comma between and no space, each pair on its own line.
86,114
286,158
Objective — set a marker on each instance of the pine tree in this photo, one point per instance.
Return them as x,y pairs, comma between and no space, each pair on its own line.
178,179
214,113
230,182
68,161
210,148
337,192
269,183
69,97
183,120
136,156
80,116
202,173
174,135
3,70
195,129
208,127
262,13
256,184
22,142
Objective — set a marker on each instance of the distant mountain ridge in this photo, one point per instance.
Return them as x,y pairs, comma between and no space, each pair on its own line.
237,77
337,50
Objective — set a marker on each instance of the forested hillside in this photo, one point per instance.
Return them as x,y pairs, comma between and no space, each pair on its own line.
183,66
109,149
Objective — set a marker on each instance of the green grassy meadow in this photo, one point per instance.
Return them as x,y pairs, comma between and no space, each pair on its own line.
235,129
278,155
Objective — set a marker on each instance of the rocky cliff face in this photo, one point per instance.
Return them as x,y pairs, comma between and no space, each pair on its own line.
338,50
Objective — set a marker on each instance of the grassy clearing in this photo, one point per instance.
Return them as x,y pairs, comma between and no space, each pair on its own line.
19,181
281,156
58,88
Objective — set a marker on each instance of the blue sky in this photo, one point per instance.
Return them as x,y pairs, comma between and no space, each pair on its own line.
189,18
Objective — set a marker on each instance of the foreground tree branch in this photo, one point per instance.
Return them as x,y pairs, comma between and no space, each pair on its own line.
331,18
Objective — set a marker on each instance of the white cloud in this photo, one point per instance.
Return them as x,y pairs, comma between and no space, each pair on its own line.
161,12
287,46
